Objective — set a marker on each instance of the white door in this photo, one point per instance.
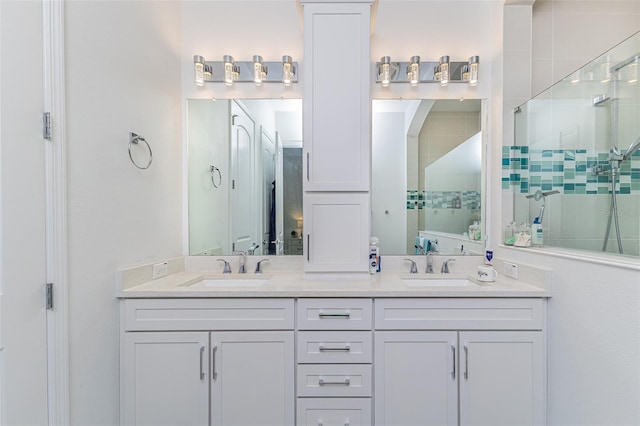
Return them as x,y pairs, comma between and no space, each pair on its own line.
243,211
269,183
279,240
501,382
165,378
252,378
23,356
416,378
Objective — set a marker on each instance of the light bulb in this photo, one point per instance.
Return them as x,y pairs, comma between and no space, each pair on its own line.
198,65
288,70
474,61
385,71
413,70
257,70
444,70
228,69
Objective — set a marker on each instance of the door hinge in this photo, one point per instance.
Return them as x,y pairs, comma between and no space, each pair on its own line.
46,125
49,297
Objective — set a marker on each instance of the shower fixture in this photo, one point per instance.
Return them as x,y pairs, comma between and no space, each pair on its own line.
539,195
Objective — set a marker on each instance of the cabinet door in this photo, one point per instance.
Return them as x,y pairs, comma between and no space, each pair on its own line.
337,108
334,412
416,378
337,232
252,378
502,378
164,379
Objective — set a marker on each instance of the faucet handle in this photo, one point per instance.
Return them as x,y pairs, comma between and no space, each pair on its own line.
445,266
414,268
227,267
429,263
258,266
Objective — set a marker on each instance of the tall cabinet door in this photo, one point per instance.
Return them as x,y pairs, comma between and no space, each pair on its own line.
416,378
337,232
502,378
337,108
165,378
252,378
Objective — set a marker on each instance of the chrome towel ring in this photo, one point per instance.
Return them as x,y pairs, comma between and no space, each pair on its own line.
134,139
214,170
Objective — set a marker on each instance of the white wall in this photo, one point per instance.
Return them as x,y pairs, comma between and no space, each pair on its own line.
123,74
594,320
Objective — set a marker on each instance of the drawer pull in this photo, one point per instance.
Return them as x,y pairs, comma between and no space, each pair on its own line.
346,382
334,316
323,348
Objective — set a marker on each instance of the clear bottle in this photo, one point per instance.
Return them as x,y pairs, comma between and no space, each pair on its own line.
523,236
508,234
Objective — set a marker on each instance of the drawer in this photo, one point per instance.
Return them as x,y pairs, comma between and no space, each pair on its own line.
459,314
334,380
334,314
208,314
333,412
334,347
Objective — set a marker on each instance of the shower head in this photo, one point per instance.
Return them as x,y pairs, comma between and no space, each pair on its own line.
632,148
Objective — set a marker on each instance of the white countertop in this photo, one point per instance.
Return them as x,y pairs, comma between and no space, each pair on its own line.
295,284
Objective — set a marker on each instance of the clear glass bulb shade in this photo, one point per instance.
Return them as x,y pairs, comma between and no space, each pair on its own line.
385,74
207,73
473,74
199,73
444,73
257,73
413,73
287,73
228,73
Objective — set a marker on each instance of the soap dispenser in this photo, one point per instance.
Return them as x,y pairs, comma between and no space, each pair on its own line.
536,232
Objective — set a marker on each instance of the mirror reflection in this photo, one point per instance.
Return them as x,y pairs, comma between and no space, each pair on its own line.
427,176
245,176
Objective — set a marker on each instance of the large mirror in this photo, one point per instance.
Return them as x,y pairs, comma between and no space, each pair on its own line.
245,176
427,176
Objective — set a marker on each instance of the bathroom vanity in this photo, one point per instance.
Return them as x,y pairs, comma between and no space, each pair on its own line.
280,349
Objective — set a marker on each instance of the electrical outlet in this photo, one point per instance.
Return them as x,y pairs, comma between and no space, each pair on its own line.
160,270
511,270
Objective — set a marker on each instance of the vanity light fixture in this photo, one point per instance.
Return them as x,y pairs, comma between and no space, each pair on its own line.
198,66
288,70
384,75
633,71
413,70
259,70
444,70
228,70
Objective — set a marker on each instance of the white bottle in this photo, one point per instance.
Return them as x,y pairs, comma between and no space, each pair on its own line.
536,233
374,256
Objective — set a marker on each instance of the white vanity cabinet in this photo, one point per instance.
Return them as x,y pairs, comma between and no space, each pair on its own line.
430,365
243,358
335,352
337,135
337,106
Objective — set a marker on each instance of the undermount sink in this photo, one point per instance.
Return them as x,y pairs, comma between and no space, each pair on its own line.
230,282
436,282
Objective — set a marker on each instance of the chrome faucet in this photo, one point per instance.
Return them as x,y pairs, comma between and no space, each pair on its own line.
414,268
445,266
429,263
227,267
420,248
259,267
252,249
243,257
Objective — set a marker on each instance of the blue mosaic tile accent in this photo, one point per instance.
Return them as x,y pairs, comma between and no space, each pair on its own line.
468,200
526,170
